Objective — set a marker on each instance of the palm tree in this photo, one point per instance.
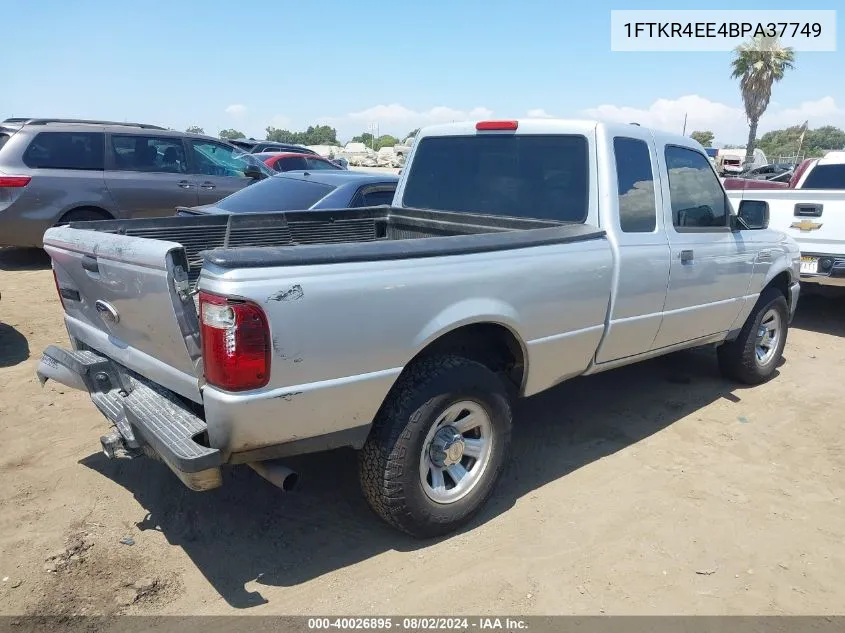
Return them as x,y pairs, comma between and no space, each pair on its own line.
758,64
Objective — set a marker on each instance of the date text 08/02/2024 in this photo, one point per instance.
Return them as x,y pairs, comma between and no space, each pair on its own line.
723,29
419,623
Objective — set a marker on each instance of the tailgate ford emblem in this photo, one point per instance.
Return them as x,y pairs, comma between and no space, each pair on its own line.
107,311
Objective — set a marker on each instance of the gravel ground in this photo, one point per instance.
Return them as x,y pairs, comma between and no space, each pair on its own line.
654,489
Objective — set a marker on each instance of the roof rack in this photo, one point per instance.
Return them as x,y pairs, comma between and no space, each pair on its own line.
145,126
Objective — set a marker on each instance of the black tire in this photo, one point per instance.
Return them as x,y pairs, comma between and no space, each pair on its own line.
84,214
738,359
390,461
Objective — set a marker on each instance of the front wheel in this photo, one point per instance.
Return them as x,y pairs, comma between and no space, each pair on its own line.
437,446
753,357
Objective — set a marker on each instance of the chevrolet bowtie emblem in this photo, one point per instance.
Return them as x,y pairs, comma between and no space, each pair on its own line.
806,225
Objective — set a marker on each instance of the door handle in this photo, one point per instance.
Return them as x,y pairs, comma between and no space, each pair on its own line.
90,264
185,184
686,257
207,185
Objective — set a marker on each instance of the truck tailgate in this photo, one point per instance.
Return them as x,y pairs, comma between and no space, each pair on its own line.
126,297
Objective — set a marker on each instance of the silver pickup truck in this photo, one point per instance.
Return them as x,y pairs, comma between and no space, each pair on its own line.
516,255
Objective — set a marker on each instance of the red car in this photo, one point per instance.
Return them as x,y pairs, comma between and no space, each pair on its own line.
291,161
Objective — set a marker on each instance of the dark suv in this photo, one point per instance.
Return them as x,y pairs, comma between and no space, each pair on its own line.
256,147
54,171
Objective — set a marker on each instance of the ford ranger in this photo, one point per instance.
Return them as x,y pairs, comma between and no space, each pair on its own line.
516,255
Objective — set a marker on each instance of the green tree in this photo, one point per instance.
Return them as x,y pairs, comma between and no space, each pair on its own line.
195,129
758,64
231,134
386,140
314,135
366,138
705,138
816,142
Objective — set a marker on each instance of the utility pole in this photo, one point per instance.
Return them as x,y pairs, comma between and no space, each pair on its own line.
684,133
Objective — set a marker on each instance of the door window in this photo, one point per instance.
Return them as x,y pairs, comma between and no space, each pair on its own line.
216,159
698,200
148,153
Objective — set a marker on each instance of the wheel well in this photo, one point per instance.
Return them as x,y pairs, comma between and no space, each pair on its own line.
782,283
98,210
491,344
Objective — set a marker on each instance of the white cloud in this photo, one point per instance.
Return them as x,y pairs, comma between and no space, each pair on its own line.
728,123
539,113
396,113
236,110
280,121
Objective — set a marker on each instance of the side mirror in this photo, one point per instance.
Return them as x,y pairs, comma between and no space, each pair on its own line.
252,171
754,214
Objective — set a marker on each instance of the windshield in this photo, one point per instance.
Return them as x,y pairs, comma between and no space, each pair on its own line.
278,193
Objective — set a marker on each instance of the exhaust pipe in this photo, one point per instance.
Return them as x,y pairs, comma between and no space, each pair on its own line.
276,473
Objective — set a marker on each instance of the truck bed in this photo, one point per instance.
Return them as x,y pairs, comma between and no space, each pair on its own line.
336,236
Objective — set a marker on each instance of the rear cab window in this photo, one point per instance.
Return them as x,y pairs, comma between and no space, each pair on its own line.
3,138
66,150
825,177
530,176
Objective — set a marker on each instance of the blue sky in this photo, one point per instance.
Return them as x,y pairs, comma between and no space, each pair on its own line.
402,63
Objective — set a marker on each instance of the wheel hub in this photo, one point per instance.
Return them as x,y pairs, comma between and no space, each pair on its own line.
447,447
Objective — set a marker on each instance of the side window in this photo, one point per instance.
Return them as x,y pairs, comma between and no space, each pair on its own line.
637,210
66,150
148,153
291,163
216,159
698,201
317,163
374,198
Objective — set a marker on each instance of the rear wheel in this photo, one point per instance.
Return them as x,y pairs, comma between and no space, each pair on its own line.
437,446
753,357
84,214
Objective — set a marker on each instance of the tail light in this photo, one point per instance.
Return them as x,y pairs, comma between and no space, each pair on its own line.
14,181
58,288
235,343
496,125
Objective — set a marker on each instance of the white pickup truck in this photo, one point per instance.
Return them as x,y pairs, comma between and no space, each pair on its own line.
812,211
516,255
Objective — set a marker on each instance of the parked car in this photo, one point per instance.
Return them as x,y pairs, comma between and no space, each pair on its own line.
812,210
291,191
289,161
767,172
54,171
518,254
255,147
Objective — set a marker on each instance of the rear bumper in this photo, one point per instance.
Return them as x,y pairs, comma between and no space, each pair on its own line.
145,415
832,270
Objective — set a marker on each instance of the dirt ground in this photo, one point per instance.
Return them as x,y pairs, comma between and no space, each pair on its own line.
653,489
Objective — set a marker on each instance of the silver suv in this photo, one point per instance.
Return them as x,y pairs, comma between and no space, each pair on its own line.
54,171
